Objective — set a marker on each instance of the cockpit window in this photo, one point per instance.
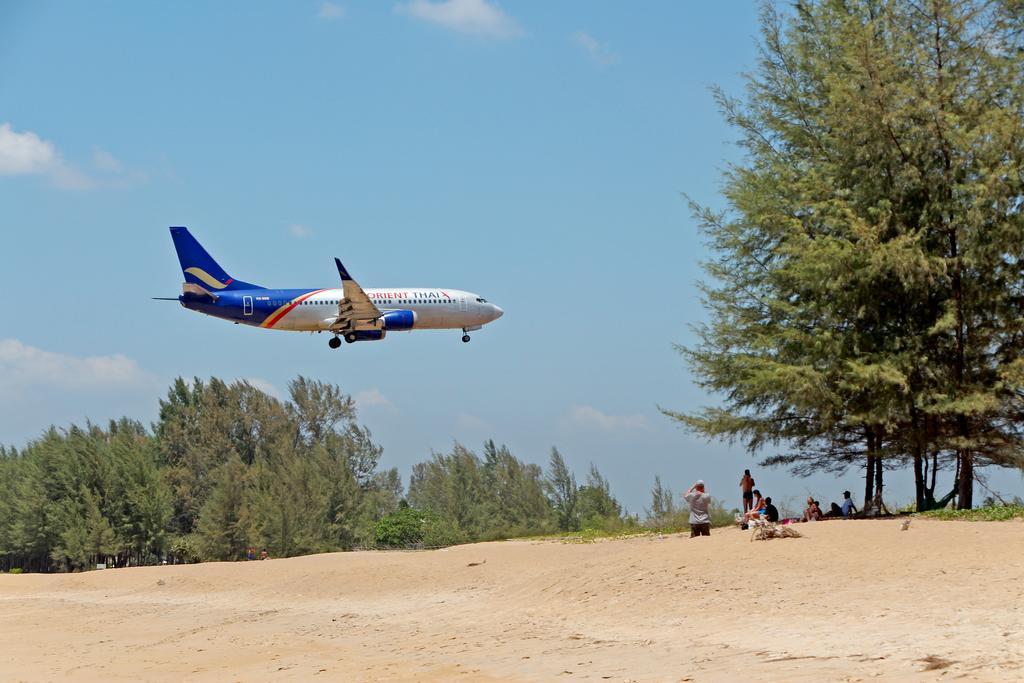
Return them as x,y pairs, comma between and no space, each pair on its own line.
483,301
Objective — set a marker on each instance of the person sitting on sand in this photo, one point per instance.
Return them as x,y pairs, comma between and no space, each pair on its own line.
834,511
757,510
808,511
771,513
848,507
699,501
813,511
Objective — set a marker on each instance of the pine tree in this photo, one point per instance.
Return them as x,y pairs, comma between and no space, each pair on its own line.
563,493
866,304
223,525
100,540
663,504
597,507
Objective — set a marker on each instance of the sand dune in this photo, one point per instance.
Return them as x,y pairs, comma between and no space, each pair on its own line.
857,600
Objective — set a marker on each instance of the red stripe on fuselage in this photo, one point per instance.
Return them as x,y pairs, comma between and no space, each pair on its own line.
283,311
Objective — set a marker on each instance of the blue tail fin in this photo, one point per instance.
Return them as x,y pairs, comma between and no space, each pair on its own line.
199,267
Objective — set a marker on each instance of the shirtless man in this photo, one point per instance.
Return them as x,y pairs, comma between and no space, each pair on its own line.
747,486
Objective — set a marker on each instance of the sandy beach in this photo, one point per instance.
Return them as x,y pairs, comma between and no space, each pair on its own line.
851,601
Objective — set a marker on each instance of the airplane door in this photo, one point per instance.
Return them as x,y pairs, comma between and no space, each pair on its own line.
247,305
462,304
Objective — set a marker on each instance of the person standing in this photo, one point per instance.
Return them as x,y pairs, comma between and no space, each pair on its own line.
699,502
747,487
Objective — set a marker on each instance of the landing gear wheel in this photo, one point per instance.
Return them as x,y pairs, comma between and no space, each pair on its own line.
350,337
465,337
334,342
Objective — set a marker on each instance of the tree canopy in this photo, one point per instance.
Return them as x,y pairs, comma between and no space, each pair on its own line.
866,294
228,468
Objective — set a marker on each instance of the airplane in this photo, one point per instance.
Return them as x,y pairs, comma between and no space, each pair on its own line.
349,312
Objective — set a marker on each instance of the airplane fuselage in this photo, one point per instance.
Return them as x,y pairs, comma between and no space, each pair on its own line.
316,310
349,312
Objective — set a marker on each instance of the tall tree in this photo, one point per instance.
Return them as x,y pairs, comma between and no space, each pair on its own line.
563,493
866,304
663,504
597,506
224,524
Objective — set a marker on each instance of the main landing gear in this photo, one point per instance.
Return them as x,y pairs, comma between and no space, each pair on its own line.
335,341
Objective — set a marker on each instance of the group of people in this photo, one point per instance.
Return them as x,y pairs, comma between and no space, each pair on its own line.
756,506
813,511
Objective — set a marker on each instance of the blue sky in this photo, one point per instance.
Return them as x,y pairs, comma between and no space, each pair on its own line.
532,152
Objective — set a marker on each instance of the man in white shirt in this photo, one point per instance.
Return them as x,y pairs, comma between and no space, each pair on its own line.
699,502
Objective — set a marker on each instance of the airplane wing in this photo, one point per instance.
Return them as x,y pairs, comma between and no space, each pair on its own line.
356,307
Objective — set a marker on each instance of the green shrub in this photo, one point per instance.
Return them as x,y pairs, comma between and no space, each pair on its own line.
994,513
439,532
403,527
183,549
16,570
678,519
409,527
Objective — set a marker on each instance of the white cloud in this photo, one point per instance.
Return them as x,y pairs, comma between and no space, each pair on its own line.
372,398
599,52
474,17
28,154
68,177
331,11
590,417
105,161
25,153
298,230
113,173
24,367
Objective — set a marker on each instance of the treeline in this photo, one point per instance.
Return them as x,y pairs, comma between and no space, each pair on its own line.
866,294
499,496
227,468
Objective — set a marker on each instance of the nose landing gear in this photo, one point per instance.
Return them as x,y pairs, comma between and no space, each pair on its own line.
465,338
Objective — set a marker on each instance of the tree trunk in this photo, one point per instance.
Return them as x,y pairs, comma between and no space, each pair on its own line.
878,477
869,476
919,475
966,482
935,472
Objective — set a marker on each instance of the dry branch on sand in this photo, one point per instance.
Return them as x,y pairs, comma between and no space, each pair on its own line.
769,530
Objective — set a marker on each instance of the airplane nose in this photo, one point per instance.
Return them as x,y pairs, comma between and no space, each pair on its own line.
497,312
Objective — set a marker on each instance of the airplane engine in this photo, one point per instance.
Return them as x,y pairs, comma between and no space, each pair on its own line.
365,335
399,320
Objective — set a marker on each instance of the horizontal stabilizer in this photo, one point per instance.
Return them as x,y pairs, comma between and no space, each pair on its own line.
193,292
